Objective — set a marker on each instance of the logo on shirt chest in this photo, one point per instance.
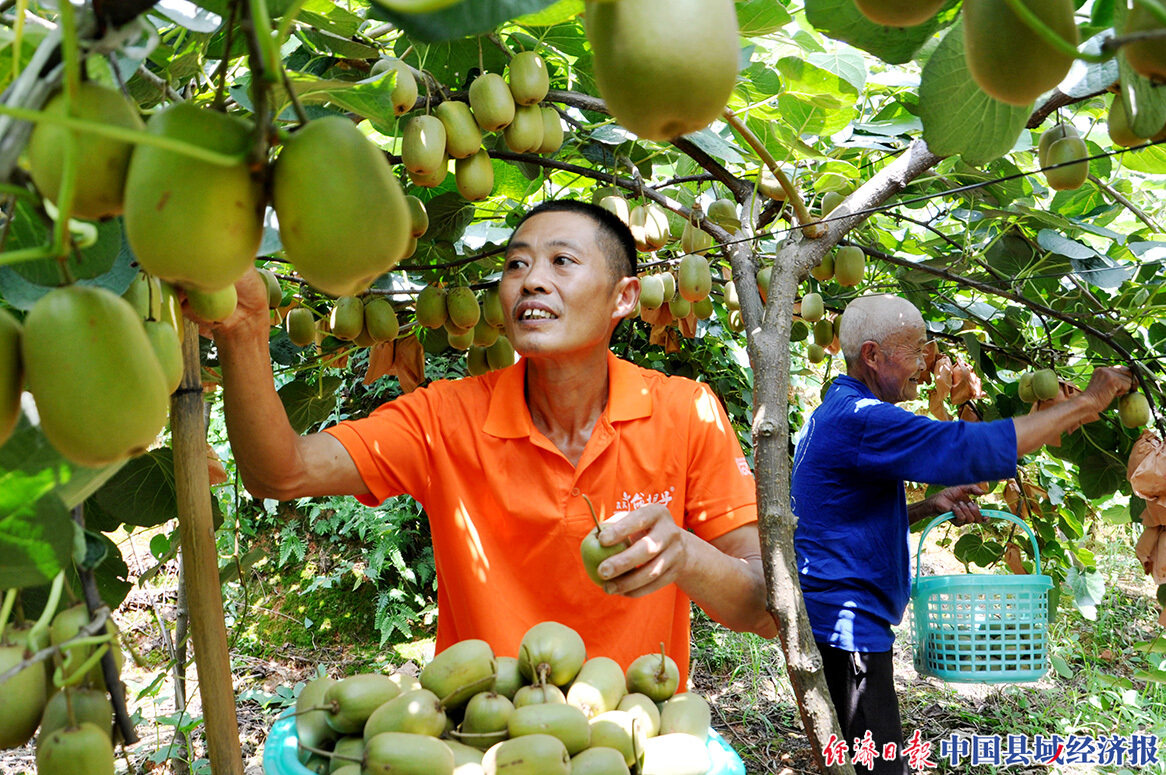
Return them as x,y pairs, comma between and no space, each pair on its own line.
636,500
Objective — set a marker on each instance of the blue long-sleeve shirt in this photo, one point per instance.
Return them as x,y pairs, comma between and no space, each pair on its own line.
847,491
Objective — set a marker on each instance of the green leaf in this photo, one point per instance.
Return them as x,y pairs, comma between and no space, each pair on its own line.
36,532
845,64
1086,78
452,61
469,17
1090,265
143,492
328,16
371,98
760,17
28,230
1061,666
111,573
449,215
958,117
309,404
337,45
841,20
1088,588
557,13
1152,675
1150,160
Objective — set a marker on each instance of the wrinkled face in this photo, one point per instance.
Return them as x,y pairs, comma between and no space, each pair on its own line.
557,289
900,363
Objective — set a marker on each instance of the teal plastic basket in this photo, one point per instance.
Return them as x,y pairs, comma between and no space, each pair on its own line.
978,628
281,754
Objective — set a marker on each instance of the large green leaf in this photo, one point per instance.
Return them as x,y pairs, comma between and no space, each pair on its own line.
958,117
451,62
1150,160
330,17
28,454
558,12
309,404
469,17
36,531
841,20
29,230
1088,588
142,493
760,17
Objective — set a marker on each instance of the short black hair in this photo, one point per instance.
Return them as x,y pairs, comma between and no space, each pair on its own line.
614,237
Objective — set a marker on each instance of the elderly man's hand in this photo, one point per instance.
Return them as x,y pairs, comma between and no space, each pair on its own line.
1106,384
958,500
657,556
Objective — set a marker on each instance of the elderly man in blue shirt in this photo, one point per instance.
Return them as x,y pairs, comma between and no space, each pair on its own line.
852,460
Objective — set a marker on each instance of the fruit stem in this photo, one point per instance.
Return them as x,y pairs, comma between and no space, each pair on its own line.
78,675
594,518
265,46
331,755
811,229
41,626
1050,36
661,674
479,685
6,611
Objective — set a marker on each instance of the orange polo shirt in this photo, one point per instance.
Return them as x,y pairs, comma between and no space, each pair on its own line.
504,507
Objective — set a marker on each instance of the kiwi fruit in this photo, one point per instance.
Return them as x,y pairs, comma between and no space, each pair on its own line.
654,675
529,80
491,102
899,13
1147,57
1134,410
551,651
462,136
1045,385
1070,152
423,143
812,307
849,266
824,271
460,671
1007,58
694,279
474,176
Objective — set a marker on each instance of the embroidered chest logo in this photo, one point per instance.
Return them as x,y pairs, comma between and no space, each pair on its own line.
635,500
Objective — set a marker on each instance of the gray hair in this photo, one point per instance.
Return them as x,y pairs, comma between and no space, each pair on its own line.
873,319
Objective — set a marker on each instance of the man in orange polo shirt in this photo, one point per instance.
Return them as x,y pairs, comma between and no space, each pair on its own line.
501,462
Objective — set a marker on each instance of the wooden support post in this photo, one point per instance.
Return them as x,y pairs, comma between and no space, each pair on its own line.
200,556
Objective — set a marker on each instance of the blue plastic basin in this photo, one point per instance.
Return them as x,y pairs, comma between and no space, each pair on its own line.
280,754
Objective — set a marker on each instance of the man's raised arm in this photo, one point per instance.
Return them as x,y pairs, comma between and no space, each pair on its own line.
273,460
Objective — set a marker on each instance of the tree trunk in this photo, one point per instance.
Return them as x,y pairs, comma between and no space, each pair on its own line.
201,564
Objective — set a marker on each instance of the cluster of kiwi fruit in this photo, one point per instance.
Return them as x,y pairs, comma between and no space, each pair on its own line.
454,315
100,367
66,699
454,129
549,711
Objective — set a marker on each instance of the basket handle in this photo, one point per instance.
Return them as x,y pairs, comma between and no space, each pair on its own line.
994,513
